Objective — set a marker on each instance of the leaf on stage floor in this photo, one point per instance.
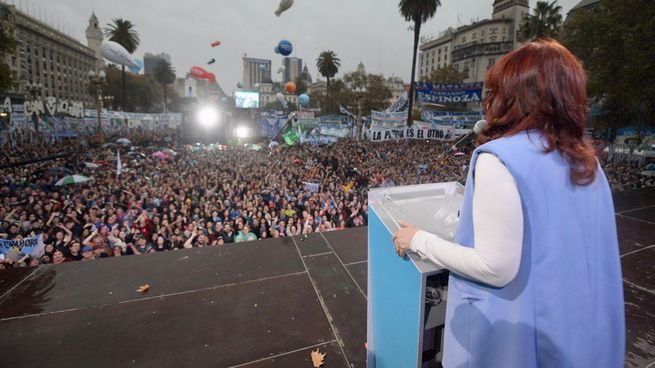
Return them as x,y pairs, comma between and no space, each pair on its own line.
143,288
317,358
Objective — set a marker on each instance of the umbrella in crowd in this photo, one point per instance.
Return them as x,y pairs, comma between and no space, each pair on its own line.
137,154
160,155
91,165
459,154
72,179
273,144
124,141
169,151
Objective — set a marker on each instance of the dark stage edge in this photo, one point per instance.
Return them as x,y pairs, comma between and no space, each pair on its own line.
261,304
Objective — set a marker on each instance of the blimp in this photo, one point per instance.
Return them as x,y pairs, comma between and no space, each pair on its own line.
116,53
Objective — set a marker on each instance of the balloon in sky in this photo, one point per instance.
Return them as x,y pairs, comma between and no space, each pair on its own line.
285,47
280,98
281,70
201,73
290,87
116,53
239,85
138,67
212,61
216,43
303,100
284,6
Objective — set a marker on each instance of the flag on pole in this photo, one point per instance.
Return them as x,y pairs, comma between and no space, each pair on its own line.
119,165
345,111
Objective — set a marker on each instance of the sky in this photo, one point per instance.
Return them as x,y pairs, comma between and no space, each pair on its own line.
370,31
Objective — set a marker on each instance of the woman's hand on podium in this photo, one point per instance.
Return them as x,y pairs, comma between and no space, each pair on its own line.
402,238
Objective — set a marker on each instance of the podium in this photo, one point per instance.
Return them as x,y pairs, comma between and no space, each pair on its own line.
407,297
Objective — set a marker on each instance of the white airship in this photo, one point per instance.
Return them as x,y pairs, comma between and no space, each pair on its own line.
116,53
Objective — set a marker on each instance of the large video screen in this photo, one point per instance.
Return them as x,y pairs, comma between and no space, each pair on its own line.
246,100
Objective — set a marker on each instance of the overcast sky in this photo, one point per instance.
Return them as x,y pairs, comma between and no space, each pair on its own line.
370,31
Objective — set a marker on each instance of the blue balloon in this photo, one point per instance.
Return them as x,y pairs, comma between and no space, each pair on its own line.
303,100
285,47
276,50
239,85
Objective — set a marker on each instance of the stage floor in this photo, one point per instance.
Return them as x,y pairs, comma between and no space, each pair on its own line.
260,304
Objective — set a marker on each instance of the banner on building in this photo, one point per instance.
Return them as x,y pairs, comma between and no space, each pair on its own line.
416,131
448,93
384,119
28,246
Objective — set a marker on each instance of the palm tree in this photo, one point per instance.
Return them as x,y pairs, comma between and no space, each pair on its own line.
419,12
122,32
328,65
165,75
545,22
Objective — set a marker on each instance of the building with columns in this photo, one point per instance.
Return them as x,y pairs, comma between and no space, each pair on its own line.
54,61
473,48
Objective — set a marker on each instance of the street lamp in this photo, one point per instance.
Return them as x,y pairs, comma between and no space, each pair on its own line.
97,79
359,94
34,89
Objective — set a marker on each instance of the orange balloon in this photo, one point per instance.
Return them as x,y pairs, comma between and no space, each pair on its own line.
290,87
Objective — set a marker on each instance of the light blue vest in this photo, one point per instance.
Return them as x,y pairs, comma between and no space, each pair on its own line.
565,306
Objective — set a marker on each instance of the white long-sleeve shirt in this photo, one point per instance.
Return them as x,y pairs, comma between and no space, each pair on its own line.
497,227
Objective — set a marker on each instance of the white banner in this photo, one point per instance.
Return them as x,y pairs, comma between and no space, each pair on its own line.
304,114
382,119
436,132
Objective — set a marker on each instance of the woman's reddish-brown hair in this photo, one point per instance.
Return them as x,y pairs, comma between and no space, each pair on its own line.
542,86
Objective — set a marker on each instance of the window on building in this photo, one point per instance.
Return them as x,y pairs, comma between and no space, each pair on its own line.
482,32
463,39
493,31
492,61
456,66
474,35
446,50
445,57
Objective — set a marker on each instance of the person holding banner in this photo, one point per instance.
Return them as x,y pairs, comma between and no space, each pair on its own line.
535,275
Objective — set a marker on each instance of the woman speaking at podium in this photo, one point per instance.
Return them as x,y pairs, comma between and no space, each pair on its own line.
535,274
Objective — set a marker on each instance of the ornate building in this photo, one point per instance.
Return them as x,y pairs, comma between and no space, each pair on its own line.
472,49
94,39
53,61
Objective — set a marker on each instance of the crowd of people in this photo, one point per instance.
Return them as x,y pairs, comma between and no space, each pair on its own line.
205,196
199,197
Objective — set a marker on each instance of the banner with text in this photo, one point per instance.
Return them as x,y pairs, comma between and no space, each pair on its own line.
416,131
384,119
456,118
448,93
27,246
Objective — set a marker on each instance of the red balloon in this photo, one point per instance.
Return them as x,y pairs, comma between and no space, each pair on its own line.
216,43
290,87
201,73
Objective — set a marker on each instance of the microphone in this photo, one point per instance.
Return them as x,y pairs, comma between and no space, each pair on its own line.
479,126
